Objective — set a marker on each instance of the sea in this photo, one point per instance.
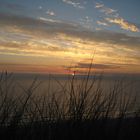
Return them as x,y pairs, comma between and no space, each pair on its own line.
59,84
57,81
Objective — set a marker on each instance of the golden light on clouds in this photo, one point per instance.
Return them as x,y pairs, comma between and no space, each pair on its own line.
67,49
124,24
59,44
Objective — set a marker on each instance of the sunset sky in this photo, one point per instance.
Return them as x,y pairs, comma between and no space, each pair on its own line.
56,36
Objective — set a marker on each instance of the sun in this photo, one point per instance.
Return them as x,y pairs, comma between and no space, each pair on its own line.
73,74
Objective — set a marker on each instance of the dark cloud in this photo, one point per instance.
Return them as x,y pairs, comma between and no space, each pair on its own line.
108,37
26,22
96,66
12,45
37,27
49,27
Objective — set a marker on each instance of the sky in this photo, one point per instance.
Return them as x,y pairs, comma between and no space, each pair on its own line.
62,36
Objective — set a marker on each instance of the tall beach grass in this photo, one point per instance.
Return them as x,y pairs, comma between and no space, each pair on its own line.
77,110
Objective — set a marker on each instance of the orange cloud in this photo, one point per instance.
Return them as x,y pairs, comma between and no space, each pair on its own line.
112,16
62,44
124,24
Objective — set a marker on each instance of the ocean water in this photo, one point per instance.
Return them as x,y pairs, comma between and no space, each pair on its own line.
56,83
44,85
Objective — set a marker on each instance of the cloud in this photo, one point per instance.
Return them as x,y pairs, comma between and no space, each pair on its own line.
31,49
49,20
99,5
50,13
40,24
102,23
45,27
74,4
104,9
37,67
87,22
40,7
49,37
123,24
96,66
113,17
108,11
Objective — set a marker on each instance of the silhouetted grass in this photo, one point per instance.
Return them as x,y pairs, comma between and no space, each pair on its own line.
77,110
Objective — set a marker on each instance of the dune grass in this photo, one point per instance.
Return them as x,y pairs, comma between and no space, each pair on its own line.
81,111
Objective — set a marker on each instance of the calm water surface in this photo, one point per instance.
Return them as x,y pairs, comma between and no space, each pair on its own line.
55,83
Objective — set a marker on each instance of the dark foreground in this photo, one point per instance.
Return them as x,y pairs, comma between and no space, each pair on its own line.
82,112
110,129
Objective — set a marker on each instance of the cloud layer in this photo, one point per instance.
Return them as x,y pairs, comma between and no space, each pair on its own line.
66,43
96,66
